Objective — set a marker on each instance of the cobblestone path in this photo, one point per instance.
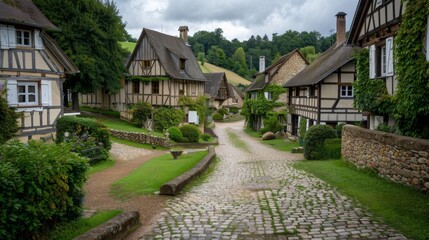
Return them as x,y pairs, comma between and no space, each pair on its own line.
255,194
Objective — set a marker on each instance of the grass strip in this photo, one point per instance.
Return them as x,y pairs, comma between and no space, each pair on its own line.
101,166
150,176
78,227
402,208
278,144
236,141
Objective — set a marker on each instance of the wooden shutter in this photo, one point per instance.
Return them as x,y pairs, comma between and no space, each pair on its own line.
38,43
4,37
12,36
46,93
389,56
12,92
266,95
372,61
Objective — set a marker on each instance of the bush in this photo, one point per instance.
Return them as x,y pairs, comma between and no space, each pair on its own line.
339,129
332,148
205,136
40,185
175,134
76,126
271,124
234,110
79,145
385,128
184,140
167,117
314,140
302,127
222,111
191,132
8,117
217,117
140,113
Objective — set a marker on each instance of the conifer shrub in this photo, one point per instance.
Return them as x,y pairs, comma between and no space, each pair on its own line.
175,134
191,132
314,141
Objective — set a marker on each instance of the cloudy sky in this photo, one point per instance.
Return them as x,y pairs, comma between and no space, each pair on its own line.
238,18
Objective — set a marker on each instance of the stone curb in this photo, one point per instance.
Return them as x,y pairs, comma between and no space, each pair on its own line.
116,228
174,186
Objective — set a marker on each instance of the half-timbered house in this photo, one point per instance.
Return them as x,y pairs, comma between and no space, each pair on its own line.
161,70
235,99
374,26
278,74
32,67
322,93
216,88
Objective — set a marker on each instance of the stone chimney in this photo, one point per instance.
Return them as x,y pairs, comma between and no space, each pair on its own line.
341,28
184,33
261,63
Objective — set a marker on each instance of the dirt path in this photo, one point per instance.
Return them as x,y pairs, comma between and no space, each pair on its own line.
97,187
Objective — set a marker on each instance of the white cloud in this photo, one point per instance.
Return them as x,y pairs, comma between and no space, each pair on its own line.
238,18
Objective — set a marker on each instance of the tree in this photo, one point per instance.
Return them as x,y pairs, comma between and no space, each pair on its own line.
240,57
91,30
309,53
8,117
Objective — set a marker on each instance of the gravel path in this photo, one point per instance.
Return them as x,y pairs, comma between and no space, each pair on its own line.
256,194
98,185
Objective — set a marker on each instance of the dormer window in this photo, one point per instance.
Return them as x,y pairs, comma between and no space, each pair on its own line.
23,38
182,64
146,64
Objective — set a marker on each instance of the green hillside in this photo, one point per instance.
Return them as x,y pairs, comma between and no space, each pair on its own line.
232,77
128,46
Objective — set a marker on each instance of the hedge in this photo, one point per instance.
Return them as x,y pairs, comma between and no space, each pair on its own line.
332,148
8,117
40,185
167,117
314,141
191,132
175,134
77,126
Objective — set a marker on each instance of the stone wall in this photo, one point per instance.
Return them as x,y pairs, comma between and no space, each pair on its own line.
400,159
141,138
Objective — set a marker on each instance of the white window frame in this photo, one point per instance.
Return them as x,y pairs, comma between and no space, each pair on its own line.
268,95
20,41
372,67
27,94
427,40
389,57
378,3
383,61
344,91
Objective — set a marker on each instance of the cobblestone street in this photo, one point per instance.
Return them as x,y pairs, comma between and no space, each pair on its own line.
254,193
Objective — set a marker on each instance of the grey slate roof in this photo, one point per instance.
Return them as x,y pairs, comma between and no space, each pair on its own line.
233,88
166,47
260,82
213,83
326,64
24,12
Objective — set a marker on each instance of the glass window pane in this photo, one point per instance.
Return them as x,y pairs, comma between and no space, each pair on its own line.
21,98
21,89
26,41
32,89
26,34
31,98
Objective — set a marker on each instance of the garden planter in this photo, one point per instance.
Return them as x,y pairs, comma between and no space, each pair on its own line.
176,153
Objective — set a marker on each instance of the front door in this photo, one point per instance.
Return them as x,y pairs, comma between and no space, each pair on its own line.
295,125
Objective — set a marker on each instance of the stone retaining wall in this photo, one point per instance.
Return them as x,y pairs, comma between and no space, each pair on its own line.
400,159
116,228
140,138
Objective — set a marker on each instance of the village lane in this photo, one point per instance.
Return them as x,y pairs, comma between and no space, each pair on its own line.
254,193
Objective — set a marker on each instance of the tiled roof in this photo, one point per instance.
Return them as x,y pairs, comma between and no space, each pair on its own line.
167,49
24,12
328,62
213,83
234,88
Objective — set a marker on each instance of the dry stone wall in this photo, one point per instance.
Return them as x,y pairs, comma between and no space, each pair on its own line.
140,138
400,159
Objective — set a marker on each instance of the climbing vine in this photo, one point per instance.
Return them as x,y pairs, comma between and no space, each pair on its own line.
370,94
412,70
197,104
146,78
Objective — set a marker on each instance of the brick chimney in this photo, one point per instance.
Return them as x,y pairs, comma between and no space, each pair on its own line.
261,63
184,33
341,28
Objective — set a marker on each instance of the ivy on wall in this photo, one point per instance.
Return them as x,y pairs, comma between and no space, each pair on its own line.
146,78
198,104
370,94
412,70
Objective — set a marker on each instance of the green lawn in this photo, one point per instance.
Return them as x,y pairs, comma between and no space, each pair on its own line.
129,46
401,207
100,166
150,176
279,144
78,227
104,112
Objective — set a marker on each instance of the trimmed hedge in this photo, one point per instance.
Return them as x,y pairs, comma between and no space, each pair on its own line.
332,148
77,126
175,134
314,141
205,136
191,132
40,185
217,117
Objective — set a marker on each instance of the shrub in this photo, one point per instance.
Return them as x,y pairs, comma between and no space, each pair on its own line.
217,117
302,127
175,134
205,136
80,144
234,110
184,140
140,113
332,148
271,124
222,111
385,128
314,140
167,117
76,126
40,184
191,132
8,116
339,129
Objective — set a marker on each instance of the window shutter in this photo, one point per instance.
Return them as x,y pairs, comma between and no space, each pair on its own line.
372,61
12,36
38,43
12,92
266,95
389,56
4,38
46,93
